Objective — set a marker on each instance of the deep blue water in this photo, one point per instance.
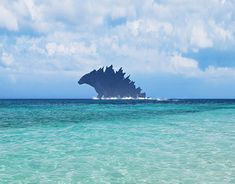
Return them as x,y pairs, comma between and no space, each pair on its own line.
117,141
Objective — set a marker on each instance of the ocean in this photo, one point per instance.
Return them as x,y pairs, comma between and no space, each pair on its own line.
117,141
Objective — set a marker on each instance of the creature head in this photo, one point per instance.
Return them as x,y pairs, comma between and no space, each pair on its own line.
87,78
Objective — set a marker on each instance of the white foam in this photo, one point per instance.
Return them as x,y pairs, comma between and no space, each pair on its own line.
130,98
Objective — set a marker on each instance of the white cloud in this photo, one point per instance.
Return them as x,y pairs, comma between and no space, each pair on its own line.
76,34
6,60
70,49
182,65
144,27
219,72
7,19
200,38
221,34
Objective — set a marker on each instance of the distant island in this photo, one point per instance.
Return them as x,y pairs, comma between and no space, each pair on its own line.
109,84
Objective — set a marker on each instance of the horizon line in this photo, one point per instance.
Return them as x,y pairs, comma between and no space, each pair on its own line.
116,99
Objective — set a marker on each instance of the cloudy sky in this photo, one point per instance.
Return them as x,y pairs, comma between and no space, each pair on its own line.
171,48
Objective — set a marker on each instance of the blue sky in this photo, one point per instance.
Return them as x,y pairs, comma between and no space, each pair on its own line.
171,48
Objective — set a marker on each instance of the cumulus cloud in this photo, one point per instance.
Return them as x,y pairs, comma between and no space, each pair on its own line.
219,72
70,49
6,60
7,19
200,38
152,36
184,65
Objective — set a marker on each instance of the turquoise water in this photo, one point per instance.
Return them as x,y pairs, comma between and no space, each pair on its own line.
91,141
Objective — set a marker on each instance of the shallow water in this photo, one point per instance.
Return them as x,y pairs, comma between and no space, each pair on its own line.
117,141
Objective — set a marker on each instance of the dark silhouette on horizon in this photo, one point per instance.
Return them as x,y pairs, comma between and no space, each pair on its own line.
109,83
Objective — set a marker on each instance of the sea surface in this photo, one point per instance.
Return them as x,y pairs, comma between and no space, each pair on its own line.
117,141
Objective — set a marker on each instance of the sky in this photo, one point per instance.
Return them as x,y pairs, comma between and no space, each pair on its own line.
171,48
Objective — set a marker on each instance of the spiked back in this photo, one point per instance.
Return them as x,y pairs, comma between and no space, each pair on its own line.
109,83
